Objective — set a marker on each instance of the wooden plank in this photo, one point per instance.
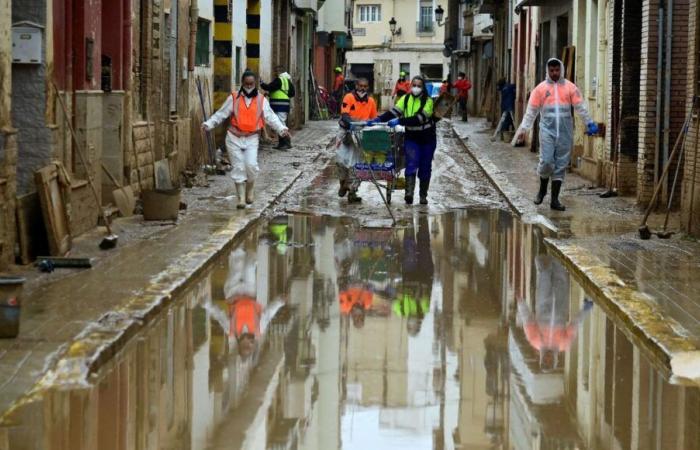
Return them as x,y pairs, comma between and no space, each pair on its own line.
30,228
51,198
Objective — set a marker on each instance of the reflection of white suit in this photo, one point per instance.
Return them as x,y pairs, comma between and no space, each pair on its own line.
552,306
241,274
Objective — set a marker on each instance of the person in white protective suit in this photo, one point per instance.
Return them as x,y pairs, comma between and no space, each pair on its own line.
552,100
247,111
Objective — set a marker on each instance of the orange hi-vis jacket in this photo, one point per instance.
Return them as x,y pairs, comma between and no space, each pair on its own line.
553,101
247,120
359,109
245,315
338,83
402,88
355,296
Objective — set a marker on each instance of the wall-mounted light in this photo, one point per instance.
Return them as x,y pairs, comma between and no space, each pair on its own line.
439,14
393,29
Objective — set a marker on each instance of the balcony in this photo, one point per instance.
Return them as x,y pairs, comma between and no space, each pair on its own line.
307,5
424,29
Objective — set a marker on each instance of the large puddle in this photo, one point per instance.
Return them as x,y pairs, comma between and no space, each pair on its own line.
456,331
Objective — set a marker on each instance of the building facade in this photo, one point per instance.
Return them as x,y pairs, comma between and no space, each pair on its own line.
415,45
635,64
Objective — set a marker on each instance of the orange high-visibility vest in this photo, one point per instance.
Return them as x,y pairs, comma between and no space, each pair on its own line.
355,296
245,315
359,110
247,119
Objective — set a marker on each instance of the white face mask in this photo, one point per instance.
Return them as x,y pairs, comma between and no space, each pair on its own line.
415,90
248,90
361,94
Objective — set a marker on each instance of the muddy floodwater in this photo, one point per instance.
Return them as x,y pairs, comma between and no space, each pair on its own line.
455,331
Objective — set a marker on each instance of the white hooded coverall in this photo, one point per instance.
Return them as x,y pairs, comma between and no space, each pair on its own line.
243,150
553,102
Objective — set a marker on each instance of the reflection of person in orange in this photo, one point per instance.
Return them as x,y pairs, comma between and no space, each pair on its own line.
245,314
356,301
549,330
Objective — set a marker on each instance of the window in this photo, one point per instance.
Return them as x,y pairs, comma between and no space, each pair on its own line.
425,21
370,13
201,57
405,67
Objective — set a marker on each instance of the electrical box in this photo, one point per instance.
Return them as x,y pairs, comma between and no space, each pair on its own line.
27,39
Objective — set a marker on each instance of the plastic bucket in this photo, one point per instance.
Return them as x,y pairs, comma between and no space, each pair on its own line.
161,204
10,304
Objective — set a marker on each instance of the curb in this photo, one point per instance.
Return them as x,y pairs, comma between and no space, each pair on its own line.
73,363
666,342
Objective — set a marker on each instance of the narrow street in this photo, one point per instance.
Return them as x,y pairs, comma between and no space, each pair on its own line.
459,327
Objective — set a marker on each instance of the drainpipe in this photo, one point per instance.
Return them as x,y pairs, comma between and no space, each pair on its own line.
667,90
659,98
194,17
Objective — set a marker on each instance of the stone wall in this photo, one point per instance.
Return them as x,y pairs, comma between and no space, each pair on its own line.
29,88
143,161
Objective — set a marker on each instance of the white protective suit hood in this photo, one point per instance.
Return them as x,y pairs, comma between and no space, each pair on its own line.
562,77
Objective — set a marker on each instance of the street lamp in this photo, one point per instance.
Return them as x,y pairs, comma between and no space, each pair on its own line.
439,14
392,27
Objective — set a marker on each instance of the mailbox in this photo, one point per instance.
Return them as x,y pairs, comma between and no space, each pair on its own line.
27,39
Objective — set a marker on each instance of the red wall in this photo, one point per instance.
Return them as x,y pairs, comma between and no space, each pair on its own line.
107,22
62,42
113,38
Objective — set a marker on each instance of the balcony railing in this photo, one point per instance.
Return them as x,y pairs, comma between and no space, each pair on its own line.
425,28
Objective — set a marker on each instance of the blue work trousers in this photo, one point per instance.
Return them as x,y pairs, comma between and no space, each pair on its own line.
419,156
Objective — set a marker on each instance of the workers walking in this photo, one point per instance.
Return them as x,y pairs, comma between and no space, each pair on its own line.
281,91
248,111
507,91
553,100
402,87
414,111
338,86
463,85
357,106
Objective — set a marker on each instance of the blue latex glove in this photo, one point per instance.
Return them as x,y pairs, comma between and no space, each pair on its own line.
372,122
592,128
393,122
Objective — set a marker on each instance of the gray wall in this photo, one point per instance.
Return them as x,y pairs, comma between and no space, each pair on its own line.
29,103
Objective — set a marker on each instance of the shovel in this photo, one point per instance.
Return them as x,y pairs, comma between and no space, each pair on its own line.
123,195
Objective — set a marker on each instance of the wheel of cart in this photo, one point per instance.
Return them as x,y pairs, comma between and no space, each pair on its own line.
382,158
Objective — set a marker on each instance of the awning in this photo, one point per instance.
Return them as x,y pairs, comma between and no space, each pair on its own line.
524,3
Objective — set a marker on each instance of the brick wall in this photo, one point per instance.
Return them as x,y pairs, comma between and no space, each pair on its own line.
647,101
648,88
690,196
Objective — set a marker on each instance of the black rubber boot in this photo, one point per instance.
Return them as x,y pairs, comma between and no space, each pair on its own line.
423,192
353,197
410,187
543,191
343,189
285,143
556,188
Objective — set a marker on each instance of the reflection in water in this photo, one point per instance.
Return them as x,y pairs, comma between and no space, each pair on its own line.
457,331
